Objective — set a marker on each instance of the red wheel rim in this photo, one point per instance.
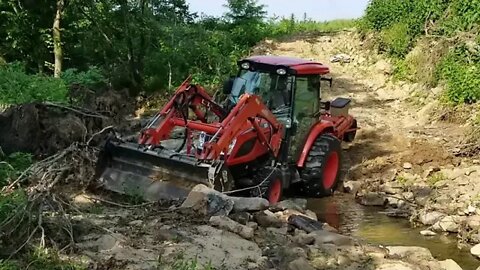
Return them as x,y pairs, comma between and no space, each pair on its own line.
330,171
275,191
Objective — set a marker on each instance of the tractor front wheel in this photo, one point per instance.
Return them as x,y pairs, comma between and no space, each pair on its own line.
270,185
321,173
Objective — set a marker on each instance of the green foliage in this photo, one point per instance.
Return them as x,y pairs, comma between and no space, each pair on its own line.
290,26
9,202
16,86
92,78
11,166
42,259
435,178
396,40
460,73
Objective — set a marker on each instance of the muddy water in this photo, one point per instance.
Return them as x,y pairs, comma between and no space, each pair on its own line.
371,226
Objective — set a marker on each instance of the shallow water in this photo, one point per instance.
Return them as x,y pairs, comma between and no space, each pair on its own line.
372,226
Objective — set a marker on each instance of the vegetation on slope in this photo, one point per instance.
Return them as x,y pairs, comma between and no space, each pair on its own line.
449,31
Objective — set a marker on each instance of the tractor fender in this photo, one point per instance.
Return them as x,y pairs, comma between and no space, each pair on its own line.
318,129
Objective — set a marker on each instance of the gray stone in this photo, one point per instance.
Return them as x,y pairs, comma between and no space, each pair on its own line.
394,202
449,265
391,188
473,222
384,67
304,239
407,165
428,233
243,204
372,199
292,204
351,186
136,223
267,219
394,266
448,224
207,201
409,196
475,250
409,252
226,223
430,218
296,252
300,264
324,237
252,225
241,217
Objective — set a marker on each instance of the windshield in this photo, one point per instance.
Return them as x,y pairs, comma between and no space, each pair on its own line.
274,89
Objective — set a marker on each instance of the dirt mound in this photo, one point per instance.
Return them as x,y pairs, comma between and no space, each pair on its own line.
45,128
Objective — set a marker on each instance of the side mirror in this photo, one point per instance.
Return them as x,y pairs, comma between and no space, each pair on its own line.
228,85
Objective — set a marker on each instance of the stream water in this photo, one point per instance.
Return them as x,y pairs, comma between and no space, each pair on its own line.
372,226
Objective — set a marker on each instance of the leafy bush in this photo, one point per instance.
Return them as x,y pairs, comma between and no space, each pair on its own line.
16,86
396,39
12,165
91,79
461,76
42,259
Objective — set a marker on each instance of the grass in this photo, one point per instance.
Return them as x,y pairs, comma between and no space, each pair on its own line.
435,178
41,259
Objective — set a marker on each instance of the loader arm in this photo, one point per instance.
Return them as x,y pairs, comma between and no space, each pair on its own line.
248,111
186,96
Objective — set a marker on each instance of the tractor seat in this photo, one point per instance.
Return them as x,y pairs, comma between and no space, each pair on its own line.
340,103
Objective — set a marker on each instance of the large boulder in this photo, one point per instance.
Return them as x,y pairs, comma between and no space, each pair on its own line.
247,204
208,202
430,218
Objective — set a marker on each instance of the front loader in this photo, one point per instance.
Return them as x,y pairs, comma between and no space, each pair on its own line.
271,134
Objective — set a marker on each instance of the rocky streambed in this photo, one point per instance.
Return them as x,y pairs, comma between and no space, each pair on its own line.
210,230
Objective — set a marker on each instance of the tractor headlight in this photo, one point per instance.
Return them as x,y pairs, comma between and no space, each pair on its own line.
281,71
246,65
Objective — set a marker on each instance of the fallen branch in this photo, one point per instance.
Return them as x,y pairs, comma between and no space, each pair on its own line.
98,133
87,114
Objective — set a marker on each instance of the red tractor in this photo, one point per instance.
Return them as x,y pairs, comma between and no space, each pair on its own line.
272,133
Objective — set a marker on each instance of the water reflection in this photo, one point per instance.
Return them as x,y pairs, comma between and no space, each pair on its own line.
370,225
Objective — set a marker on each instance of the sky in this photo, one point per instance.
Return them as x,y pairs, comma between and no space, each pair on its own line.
320,10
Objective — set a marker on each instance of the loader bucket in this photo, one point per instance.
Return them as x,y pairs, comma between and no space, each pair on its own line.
160,174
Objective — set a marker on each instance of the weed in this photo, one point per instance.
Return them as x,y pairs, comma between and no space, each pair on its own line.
435,178
12,165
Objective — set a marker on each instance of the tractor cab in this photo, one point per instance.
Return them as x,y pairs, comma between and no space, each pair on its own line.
290,88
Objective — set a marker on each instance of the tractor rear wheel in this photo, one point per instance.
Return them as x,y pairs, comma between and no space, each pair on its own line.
271,185
321,173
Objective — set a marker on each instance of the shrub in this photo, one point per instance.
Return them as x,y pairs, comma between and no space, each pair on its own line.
396,40
91,78
12,165
16,86
460,74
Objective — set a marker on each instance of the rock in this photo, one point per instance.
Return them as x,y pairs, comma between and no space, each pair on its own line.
470,210
351,186
304,239
391,188
342,58
324,237
82,201
252,225
449,265
409,196
267,219
207,201
384,67
394,266
280,231
243,204
164,234
136,223
394,202
300,264
227,224
285,215
296,252
241,217
448,224
473,222
407,165
372,199
409,252
427,233
292,204
430,218
108,241
475,250
305,223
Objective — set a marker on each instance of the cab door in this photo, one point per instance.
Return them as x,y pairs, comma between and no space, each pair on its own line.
305,111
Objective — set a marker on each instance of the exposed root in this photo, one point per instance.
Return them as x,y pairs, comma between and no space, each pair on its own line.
43,215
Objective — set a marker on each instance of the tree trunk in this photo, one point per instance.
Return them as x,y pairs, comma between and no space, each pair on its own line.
57,42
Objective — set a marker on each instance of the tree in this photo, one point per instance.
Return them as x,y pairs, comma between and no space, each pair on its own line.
57,41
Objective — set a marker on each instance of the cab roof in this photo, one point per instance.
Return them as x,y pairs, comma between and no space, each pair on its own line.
297,66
